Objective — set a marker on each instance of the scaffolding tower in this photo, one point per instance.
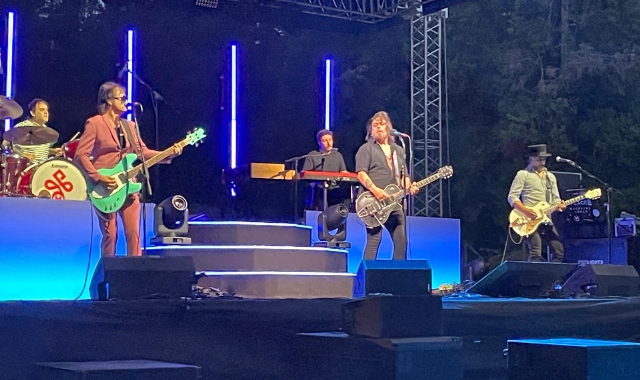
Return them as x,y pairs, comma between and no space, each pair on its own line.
428,108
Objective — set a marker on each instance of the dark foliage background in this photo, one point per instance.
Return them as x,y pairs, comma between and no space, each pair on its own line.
559,72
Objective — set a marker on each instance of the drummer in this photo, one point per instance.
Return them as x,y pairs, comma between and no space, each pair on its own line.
37,153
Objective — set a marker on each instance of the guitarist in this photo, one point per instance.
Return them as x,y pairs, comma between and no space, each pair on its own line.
533,185
381,162
106,139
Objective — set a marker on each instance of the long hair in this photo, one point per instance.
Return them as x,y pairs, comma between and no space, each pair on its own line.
384,116
105,93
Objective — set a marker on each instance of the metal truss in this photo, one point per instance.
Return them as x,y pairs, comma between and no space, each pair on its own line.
368,11
428,121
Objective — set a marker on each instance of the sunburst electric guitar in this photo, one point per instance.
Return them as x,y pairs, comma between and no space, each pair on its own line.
124,172
525,226
374,212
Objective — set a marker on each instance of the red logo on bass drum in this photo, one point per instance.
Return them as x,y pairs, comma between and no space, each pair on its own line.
58,185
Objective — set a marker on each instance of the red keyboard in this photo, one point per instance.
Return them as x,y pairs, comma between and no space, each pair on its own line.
314,175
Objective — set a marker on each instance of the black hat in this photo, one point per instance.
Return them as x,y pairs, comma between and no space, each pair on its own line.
539,150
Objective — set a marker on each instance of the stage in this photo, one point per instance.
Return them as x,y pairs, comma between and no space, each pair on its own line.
256,339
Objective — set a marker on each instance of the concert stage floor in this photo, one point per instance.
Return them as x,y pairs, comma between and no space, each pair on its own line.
255,339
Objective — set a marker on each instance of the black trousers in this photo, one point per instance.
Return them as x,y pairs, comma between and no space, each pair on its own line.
545,235
396,225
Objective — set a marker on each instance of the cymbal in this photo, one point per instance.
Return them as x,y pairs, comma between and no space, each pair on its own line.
9,109
31,135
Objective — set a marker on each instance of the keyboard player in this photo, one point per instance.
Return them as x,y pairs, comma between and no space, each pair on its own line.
327,160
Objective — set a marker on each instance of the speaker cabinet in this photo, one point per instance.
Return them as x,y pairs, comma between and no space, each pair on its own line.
397,277
521,279
393,316
573,359
130,277
602,280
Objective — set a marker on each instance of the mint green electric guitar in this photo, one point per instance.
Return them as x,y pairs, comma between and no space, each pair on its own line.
109,201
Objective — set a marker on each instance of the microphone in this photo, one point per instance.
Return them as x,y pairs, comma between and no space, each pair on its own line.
395,132
565,160
123,70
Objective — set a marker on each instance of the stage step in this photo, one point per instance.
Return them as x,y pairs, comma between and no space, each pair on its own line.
249,233
281,284
259,258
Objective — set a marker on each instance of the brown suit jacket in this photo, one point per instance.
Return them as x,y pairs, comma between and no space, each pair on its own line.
100,141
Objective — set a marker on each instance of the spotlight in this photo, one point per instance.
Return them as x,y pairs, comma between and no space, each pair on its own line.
333,218
170,224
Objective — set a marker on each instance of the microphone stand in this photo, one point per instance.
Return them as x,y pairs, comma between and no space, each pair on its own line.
609,191
295,161
155,97
146,190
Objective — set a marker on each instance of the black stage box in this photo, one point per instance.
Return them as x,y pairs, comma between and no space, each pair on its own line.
131,277
602,280
573,359
393,316
337,356
521,279
397,277
117,370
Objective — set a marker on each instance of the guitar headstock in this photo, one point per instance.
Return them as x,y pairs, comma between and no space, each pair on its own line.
195,137
445,171
593,193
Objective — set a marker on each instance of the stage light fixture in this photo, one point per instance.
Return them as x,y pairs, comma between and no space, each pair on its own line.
333,218
170,224
10,49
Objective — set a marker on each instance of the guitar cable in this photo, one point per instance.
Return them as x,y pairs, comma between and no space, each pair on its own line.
86,273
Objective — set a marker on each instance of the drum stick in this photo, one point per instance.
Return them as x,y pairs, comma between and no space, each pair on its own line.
74,136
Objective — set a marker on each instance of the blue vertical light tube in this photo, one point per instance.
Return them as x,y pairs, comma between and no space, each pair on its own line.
327,94
10,52
130,68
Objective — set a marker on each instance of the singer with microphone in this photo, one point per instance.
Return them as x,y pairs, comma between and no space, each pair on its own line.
326,159
107,137
381,162
531,186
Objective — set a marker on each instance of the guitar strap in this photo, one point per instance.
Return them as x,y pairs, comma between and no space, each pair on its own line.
124,125
396,168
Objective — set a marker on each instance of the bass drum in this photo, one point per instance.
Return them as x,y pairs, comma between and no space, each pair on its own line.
56,178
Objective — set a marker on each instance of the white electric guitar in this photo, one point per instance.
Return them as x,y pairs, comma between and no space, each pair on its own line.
525,226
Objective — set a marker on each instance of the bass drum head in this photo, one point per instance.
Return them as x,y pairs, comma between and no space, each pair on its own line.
59,178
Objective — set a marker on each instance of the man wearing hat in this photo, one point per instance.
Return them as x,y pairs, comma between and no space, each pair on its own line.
533,185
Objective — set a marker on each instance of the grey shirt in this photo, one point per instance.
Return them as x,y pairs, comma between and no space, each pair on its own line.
371,160
332,162
531,189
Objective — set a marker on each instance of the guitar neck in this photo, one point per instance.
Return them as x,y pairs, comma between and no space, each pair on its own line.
567,202
155,159
420,184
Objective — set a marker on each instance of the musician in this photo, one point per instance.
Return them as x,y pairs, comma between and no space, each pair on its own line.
107,138
381,162
37,153
325,159
533,185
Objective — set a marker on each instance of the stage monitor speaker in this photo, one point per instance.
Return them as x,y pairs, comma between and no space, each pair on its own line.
397,277
393,316
130,277
602,280
521,279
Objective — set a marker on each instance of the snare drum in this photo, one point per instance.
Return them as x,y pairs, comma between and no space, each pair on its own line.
69,149
14,165
56,178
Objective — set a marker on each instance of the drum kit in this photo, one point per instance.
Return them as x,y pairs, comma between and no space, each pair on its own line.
55,178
